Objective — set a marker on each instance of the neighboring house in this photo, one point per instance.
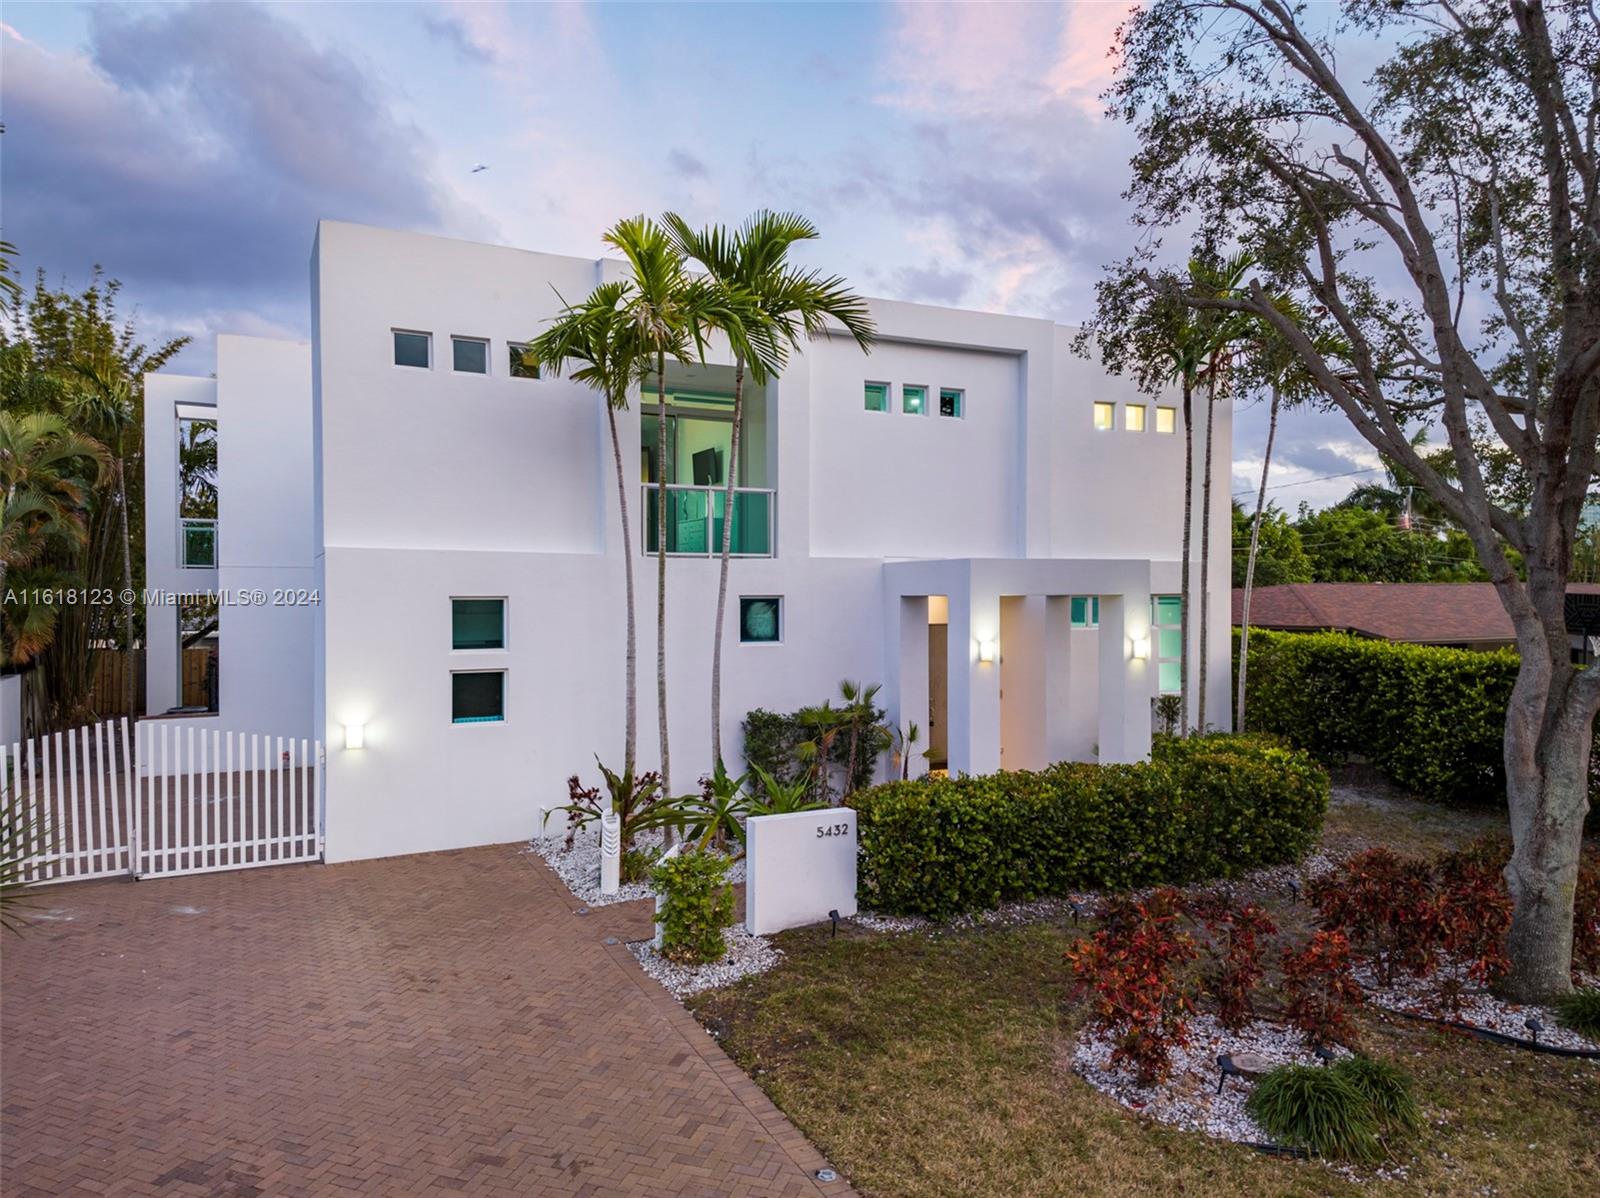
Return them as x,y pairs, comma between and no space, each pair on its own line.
971,515
229,562
1458,615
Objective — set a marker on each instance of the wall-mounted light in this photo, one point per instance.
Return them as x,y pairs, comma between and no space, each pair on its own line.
1139,648
986,650
355,736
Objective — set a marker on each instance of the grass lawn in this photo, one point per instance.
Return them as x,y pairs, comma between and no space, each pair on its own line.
932,1065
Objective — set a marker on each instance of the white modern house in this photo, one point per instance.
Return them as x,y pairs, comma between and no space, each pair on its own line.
971,515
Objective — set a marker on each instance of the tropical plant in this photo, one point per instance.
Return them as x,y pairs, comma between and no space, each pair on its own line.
1304,1106
22,836
696,906
1321,989
905,742
717,819
1580,1012
788,303
777,797
1235,968
588,342
1386,1088
641,803
1253,132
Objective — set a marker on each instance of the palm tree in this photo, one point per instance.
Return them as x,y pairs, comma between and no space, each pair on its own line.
588,343
1218,333
753,262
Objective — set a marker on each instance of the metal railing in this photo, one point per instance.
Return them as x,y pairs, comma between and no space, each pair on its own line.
695,516
197,543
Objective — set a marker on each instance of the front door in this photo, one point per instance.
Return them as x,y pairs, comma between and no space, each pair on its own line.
938,695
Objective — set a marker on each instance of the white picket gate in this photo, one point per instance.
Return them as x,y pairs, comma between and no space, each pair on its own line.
177,799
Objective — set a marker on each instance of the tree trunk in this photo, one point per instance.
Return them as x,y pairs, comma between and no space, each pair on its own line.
1250,562
1205,550
131,669
1548,732
630,686
722,571
661,571
1188,536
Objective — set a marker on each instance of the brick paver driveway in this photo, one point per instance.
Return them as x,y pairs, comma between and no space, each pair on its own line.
417,1025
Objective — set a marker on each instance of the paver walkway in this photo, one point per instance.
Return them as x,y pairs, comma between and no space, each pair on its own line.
430,1024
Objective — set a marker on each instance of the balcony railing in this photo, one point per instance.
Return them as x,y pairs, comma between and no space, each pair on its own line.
694,520
197,544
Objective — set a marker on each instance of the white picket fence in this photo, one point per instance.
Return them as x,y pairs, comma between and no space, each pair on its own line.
184,800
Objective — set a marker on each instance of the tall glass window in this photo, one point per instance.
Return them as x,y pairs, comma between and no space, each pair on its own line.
477,623
877,397
478,697
412,349
1166,620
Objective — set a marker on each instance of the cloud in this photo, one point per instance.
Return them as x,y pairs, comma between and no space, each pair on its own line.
929,284
685,165
195,148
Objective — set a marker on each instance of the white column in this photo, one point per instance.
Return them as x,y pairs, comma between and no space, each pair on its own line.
1125,681
907,685
974,733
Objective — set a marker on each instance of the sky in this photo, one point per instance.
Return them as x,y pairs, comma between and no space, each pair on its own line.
951,154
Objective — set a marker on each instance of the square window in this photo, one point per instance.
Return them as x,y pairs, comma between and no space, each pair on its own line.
913,400
877,397
1105,416
952,401
1133,417
471,355
413,349
1166,420
760,620
1168,678
1086,611
1167,610
516,366
477,623
478,697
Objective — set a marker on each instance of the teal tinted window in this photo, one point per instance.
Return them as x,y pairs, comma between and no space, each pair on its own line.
1169,643
1086,611
471,356
760,620
1171,684
517,366
951,401
877,397
1166,609
913,400
477,623
411,349
478,697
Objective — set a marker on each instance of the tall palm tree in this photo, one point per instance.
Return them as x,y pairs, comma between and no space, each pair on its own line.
1218,333
667,313
589,343
752,262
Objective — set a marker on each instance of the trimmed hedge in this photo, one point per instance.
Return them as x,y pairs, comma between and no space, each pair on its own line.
1208,807
1433,720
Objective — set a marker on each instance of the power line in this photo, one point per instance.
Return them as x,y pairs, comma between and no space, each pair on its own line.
1305,481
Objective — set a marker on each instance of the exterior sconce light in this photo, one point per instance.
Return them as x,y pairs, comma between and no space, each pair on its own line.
355,736
986,650
1139,648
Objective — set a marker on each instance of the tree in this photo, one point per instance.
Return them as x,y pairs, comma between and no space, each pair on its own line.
589,343
1465,167
1272,543
789,303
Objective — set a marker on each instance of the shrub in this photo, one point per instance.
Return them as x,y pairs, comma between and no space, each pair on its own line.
1586,916
1320,989
697,906
1131,966
1236,968
1386,906
1433,720
1386,1088
848,739
639,802
1202,808
1475,908
1580,1012
1317,1109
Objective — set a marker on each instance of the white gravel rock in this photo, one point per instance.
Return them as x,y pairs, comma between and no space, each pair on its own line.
1421,996
579,866
1188,1099
747,955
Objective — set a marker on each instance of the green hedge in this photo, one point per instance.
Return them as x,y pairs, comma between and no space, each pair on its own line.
1433,720
1204,808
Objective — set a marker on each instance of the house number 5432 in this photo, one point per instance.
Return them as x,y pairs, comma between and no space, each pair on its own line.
833,830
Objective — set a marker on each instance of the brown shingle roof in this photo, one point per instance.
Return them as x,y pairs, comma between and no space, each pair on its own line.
1435,613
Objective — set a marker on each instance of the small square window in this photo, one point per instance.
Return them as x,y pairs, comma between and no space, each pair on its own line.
1166,420
478,697
471,355
477,623
952,401
1105,416
413,349
1133,417
760,620
1166,610
914,400
1086,611
517,366
877,397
